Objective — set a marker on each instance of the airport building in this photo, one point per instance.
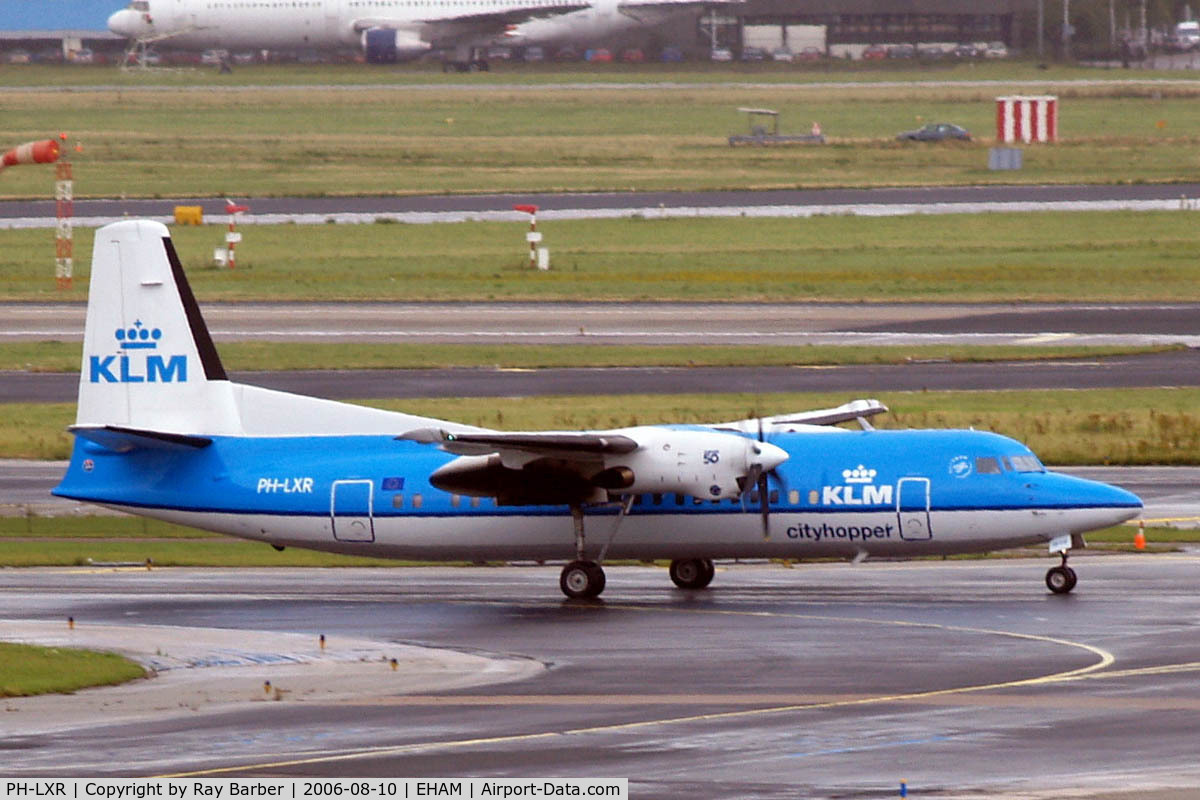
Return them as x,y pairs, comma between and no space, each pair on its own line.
846,28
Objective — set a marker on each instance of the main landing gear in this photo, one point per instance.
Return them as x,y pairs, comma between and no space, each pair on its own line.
692,573
584,578
1061,579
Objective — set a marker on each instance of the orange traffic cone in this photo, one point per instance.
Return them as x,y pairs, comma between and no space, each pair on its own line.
1139,538
43,152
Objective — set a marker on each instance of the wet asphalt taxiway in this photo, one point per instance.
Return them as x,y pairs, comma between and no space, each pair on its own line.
963,678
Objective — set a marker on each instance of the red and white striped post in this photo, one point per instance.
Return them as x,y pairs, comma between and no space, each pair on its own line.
1027,119
64,212
47,151
533,237
232,237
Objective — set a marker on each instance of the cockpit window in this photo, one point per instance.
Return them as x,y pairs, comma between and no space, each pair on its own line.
987,465
1028,463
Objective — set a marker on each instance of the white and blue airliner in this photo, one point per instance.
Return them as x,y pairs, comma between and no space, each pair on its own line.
161,431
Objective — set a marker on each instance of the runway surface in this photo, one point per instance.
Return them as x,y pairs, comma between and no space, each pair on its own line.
662,323
962,678
675,323
1174,368
574,201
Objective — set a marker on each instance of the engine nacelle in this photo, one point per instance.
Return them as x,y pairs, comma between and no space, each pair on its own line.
699,463
388,45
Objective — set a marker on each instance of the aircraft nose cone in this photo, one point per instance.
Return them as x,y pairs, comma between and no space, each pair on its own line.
124,22
1108,504
770,456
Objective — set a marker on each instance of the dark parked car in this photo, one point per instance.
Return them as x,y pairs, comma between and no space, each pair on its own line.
902,51
935,132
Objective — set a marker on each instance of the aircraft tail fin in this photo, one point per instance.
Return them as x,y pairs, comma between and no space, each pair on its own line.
149,362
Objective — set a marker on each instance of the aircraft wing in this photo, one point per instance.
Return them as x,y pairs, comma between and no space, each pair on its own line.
859,410
552,467
628,5
583,446
471,24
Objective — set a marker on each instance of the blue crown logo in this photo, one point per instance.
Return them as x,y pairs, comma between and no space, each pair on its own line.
138,337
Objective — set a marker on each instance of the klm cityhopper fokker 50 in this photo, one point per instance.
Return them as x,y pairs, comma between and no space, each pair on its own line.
161,431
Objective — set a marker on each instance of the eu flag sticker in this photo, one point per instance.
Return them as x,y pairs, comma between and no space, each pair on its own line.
393,484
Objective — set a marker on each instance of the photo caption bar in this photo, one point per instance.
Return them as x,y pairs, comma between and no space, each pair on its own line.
311,788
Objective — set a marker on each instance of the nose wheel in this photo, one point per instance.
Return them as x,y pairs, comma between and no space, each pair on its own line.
1061,579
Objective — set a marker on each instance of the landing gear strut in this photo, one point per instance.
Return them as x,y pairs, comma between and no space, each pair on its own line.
1061,579
692,573
581,578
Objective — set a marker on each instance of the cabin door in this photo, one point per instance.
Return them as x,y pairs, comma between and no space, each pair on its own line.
350,510
912,509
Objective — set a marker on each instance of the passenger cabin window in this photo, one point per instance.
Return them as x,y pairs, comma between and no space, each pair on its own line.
1027,464
987,465
455,500
416,501
474,502
658,498
397,501
794,497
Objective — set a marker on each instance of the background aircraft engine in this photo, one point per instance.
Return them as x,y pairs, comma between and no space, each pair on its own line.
388,45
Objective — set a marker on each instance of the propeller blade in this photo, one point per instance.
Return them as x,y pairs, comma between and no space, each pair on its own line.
749,481
763,504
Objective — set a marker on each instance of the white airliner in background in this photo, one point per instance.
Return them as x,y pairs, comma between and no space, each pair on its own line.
386,31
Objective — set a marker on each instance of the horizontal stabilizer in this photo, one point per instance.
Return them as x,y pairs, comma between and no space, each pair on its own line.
123,440
859,410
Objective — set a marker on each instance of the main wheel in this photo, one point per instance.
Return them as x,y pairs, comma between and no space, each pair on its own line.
1061,580
692,573
581,579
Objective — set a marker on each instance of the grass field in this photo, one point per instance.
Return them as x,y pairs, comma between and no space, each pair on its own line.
1017,257
29,670
539,75
526,137
1119,426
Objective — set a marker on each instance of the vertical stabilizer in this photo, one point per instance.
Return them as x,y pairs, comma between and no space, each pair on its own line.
148,360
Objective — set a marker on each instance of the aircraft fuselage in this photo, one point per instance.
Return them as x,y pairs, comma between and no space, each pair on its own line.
840,494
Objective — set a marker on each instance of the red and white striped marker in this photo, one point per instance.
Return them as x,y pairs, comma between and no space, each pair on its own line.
533,237
232,237
1027,119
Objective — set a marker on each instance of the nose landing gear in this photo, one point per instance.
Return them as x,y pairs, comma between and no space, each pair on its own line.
1061,579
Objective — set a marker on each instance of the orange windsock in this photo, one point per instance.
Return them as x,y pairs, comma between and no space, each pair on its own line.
43,152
